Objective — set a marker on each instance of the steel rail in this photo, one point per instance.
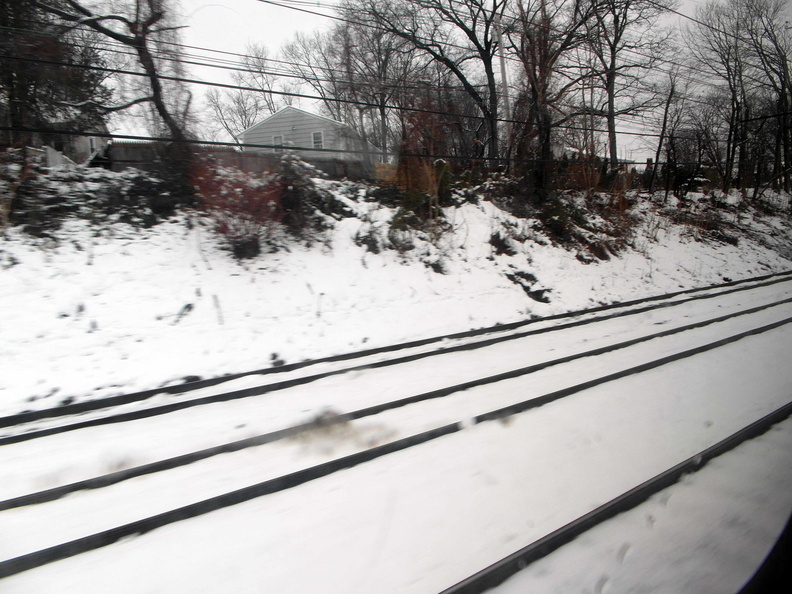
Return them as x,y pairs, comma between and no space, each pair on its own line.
29,416
500,571
270,437
104,538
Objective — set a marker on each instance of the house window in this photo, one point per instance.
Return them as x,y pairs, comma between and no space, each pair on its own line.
318,140
277,142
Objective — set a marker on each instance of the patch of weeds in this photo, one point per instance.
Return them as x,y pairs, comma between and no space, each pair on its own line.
401,230
724,237
368,240
436,265
245,209
7,260
389,196
702,224
559,217
302,202
46,197
501,245
513,195
371,239
599,247
599,250
526,281
585,259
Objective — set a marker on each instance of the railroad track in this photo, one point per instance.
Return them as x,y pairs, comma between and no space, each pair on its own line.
617,348
366,359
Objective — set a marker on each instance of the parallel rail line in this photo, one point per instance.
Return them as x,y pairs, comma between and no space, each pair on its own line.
29,416
500,571
479,581
265,438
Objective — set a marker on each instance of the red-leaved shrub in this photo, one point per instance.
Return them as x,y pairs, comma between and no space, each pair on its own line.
244,207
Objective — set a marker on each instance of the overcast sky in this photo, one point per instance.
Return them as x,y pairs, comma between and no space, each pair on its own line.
230,25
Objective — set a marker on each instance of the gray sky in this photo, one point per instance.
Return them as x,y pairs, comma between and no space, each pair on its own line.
230,25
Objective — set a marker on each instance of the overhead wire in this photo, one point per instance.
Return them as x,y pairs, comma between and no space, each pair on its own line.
294,94
243,67
301,95
304,76
375,152
284,4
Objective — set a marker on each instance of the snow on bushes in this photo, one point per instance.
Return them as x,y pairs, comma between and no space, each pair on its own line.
40,198
249,208
245,209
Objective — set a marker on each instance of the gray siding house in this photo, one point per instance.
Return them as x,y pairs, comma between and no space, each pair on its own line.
309,135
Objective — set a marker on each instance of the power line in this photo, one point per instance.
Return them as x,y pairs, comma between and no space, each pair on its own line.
348,101
598,162
223,64
300,95
694,20
278,147
368,25
117,48
307,78
284,4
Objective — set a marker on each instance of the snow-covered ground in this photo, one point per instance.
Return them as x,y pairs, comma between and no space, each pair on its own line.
112,309
705,535
421,519
106,310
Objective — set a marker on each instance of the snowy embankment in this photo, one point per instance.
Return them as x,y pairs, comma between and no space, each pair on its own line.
94,310
97,310
417,520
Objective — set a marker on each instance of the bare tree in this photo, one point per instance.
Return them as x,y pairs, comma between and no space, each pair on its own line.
717,49
544,36
676,92
314,58
139,25
768,36
145,27
380,69
259,73
236,110
460,36
626,40
360,73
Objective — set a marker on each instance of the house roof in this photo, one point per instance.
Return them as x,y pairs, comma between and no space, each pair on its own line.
287,108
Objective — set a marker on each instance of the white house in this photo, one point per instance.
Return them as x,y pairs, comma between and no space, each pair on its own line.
332,146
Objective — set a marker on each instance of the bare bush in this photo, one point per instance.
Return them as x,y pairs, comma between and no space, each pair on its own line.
245,208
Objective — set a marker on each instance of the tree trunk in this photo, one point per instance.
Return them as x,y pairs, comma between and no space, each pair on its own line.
178,156
778,159
786,121
383,132
658,152
146,60
492,115
728,167
611,118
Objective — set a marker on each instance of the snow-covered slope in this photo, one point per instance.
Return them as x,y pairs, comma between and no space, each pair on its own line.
94,310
